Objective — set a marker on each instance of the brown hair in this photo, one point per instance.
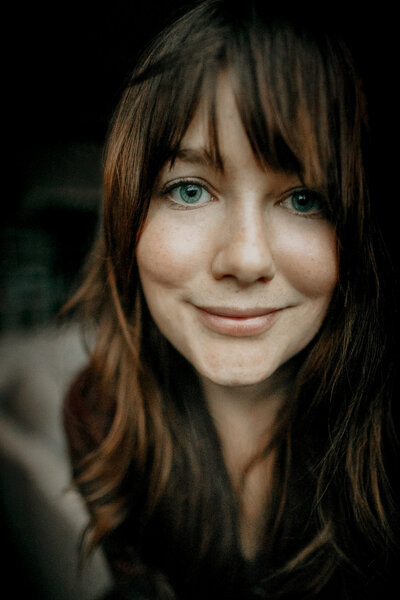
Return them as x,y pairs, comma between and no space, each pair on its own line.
157,465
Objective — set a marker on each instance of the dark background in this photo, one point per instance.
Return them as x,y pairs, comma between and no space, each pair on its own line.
65,67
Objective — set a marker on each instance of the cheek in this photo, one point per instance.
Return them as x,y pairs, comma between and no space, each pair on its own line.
168,254
310,262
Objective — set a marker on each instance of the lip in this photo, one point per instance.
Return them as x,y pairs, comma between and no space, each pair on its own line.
238,322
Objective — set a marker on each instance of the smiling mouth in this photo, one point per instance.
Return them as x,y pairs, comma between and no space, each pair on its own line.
238,322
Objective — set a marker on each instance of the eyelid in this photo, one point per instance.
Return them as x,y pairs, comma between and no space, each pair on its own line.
296,189
179,180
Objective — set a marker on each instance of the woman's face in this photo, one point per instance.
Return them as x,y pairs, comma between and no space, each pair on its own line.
237,266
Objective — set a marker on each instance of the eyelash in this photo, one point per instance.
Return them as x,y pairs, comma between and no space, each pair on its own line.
310,194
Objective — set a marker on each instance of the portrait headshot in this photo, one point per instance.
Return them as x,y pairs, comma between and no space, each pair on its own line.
232,430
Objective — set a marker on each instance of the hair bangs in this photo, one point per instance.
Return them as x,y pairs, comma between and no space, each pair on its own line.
287,97
202,98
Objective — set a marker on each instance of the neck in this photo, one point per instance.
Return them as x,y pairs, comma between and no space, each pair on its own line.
244,417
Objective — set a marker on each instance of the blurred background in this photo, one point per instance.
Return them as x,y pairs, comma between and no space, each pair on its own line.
66,65
64,69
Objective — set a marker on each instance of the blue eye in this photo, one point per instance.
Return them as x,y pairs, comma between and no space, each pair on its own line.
188,193
305,202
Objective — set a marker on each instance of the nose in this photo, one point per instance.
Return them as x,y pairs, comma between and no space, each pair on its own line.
244,249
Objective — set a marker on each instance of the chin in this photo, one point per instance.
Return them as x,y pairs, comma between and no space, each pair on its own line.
231,377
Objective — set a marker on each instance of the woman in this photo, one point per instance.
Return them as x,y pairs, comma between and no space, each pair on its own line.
232,432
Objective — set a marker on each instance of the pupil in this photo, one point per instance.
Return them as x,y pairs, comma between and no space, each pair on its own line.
303,201
190,193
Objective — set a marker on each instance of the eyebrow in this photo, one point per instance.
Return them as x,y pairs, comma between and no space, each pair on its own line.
198,156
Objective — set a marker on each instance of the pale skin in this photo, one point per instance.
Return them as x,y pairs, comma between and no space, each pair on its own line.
238,268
